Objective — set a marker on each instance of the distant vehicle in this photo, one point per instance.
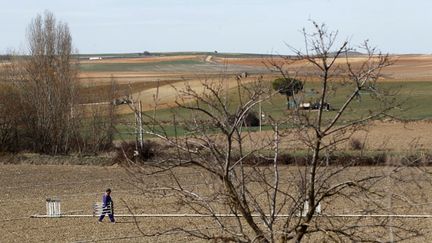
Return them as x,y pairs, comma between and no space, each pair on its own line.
95,58
314,106
121,101
305,106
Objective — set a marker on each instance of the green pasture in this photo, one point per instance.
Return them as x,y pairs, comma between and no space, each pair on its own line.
413,101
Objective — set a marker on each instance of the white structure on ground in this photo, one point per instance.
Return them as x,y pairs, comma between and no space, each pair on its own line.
53,207
306,209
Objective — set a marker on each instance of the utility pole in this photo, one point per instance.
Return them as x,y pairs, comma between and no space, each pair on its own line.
260,116
141,130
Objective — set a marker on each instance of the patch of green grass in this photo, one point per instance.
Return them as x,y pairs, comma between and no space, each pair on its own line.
413,100
414,97
128,132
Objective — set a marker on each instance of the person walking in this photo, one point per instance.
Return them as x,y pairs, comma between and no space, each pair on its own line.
107,206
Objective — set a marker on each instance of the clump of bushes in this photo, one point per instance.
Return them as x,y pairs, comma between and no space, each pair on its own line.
356,144
251,119
131,151
334,160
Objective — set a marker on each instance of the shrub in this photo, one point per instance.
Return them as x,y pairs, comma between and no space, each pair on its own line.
130,151
251,120
356,144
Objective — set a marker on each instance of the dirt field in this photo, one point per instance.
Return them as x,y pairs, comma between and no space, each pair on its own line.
25,188
396,137
405,67
149,59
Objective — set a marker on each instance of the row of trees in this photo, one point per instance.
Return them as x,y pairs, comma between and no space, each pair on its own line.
40,99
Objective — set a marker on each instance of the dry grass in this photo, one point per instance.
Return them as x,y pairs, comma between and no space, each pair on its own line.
98,93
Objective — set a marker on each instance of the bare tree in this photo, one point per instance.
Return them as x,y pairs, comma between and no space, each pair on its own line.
322,135
244,190
8,123
46,84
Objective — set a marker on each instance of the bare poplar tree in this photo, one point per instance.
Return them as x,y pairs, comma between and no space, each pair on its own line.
244,190
46,85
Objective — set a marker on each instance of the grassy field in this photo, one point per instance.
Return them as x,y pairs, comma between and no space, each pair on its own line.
387,136
410,85
414,97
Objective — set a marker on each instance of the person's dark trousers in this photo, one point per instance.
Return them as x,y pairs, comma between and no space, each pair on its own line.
107,210
111,217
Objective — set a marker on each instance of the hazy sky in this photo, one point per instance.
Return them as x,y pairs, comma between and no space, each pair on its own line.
253,26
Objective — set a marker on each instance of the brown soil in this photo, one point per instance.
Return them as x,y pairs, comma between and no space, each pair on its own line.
405,67
25,188
410,137
149,59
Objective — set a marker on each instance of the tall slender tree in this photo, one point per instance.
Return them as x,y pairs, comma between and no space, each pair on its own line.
47,84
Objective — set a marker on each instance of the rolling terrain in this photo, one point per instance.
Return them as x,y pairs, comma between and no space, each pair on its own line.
79,183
